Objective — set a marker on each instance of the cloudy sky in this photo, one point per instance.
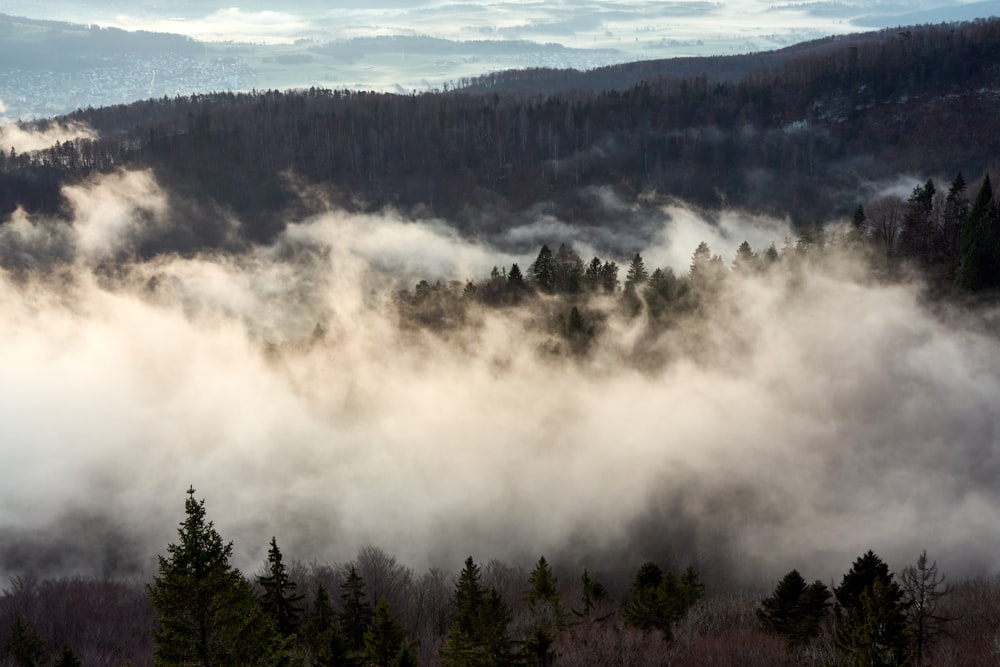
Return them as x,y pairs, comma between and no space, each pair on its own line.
642,26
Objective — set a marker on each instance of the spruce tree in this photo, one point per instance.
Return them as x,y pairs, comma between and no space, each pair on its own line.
543,271
478,634
24,648
278,599
67,658
385,640
871,615
207,612
979,255
356,612
795,609
325,643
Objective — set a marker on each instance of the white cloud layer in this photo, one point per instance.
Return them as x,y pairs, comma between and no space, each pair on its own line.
809,417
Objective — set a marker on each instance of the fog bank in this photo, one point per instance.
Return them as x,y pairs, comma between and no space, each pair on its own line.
809,416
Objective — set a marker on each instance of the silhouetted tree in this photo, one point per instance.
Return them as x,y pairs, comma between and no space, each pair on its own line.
795,609
385,640
208,614
278,599
871,618
923,588
24,648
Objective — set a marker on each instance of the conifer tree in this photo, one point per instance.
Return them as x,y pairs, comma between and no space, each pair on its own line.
208,614
278,599
67,658
592,593
795,609
356,612
24,648
871,615
979,259
325,643
385,640
543,270
478,634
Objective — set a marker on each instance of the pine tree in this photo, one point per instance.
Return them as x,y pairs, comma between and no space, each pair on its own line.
325,643
871,615
979,258
385,640
208,614
356,613
24,648
795,609
543,271
592,593
478,634
278,599
67,658
657,599
637,275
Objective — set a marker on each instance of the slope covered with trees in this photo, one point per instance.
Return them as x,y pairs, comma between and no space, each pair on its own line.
200,610
804,137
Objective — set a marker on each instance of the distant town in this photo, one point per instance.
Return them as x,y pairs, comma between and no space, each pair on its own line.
32,94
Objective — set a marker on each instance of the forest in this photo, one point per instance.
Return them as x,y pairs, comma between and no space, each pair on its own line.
804,135
373,610
440,349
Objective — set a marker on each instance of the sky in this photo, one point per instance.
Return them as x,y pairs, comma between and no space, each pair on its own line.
651,27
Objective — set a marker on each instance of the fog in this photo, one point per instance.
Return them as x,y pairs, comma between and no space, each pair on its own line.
12,135
813,414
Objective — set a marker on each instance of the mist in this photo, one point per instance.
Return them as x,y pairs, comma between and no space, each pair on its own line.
812,414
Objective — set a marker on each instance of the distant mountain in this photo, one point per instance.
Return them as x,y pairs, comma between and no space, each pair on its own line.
802,132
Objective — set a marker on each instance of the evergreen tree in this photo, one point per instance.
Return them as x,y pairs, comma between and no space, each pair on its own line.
323,639
546,614
871,618
208,614
657,600
385,640
24,648
278,599
637,274
568,270
745,261
543,271
795,609
979,258
592,278
609,278
67,658
356,612
592,593
478,634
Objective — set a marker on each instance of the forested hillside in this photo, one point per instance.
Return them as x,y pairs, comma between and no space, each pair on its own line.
807,136
491,377
374,610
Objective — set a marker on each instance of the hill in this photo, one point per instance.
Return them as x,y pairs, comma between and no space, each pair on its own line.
807,134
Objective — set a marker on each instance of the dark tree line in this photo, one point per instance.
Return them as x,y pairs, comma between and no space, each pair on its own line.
200,610
791,139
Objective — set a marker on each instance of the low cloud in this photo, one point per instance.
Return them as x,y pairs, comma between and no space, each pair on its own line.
24,139
810,415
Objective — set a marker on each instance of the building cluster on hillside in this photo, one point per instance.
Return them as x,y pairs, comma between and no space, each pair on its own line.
30,94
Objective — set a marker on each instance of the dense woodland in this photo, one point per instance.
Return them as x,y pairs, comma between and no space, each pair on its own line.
799,139
373,610
805,137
